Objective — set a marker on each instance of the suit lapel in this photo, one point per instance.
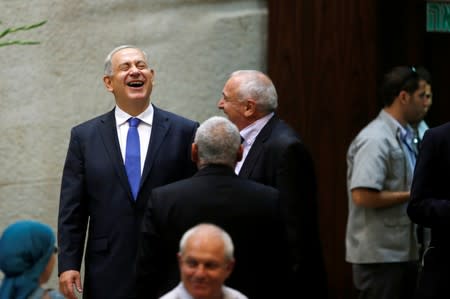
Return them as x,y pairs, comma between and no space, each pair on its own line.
160,127
108,133
257,148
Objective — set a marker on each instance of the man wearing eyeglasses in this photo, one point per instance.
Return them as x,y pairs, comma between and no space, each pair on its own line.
381,241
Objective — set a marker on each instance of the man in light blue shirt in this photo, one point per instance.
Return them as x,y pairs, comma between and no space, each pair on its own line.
381,241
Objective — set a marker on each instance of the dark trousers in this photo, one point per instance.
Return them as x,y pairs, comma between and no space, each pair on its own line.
385,280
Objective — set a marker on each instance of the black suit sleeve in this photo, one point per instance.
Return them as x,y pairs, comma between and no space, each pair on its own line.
73,215
296,181
151,273
430,200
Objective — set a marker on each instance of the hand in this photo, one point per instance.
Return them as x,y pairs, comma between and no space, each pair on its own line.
68,280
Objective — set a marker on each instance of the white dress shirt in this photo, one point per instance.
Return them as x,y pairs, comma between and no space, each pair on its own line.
144,129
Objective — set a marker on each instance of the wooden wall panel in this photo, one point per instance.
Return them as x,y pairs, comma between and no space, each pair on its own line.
322,58
326,59
437,59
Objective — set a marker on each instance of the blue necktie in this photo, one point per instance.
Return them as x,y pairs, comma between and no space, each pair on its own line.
133,156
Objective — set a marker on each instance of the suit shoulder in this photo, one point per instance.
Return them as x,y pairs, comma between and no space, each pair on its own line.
442,129
93,121
259,187
184,121
283,138
282,132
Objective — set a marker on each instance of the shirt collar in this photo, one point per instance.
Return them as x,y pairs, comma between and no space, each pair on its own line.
250,132
185,295
395,125
146,116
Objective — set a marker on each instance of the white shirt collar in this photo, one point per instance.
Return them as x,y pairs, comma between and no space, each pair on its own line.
404,130
250,132
146,116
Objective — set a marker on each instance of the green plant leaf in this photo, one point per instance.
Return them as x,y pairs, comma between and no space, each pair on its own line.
13,30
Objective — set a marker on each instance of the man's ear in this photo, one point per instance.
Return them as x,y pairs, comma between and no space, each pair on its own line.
107,82
229,267
404,96
250,107
152,72
194,153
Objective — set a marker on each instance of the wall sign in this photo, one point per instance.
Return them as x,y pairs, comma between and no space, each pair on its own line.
438,16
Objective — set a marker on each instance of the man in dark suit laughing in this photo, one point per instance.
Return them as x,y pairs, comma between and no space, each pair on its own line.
112,164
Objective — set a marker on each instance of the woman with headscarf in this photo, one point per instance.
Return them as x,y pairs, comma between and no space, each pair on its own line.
27,258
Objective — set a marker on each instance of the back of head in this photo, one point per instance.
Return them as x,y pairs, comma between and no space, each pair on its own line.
400,78
258,86
25,248
217,141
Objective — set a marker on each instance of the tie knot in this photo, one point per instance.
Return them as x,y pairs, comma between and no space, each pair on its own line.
134,122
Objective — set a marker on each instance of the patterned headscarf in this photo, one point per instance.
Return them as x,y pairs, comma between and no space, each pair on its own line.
25,249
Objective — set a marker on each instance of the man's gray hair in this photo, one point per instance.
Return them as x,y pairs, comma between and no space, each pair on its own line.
218,141
258,86
108,65
212,230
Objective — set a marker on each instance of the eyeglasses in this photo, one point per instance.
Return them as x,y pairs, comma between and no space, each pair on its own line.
409,78
413,74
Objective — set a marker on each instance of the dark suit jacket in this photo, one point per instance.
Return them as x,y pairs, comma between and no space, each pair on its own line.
248,211
430,207
95,188
279,158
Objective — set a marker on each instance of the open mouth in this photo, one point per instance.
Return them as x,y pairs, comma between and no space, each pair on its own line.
135,84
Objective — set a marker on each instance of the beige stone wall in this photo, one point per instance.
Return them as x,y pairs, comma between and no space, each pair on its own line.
46,89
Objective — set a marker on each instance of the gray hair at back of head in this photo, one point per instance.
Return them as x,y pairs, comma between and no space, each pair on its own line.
218,231
258,86
108,65
218,141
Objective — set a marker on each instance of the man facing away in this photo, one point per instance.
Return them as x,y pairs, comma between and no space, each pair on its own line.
274,155
419,129
247,210
381,242
205,261
430,207
113,162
